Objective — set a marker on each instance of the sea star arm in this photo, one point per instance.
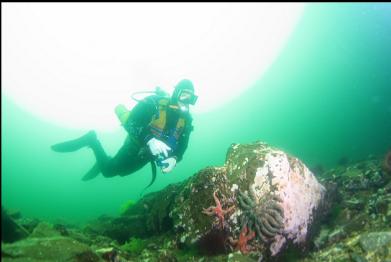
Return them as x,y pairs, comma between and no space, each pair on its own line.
209,211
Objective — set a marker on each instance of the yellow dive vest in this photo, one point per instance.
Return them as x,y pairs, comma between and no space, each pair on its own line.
158,123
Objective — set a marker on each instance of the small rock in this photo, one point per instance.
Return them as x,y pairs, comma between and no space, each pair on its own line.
336,235
44,229
321,239
358,258
372,241
356,223
56,248
354,203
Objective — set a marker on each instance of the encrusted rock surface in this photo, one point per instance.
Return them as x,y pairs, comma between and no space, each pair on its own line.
274,194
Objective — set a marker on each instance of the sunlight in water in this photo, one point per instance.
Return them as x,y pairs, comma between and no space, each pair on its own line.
72,63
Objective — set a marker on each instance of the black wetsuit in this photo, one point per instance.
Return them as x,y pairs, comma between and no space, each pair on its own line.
134,153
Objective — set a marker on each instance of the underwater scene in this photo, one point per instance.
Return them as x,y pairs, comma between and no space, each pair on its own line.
196,132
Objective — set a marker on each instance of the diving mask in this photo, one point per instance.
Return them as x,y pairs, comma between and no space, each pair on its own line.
187,97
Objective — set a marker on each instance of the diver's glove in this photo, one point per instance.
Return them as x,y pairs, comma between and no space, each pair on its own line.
157,147
170,163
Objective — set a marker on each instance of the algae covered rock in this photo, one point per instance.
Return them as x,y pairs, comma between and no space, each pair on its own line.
147,217
46,243
375,240
359,230
44,229
367,246
188,219
11,230
116,228
55,248
260,191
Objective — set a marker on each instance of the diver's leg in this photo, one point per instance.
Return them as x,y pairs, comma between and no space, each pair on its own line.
92,173
128,160
88,140
101,157
133,165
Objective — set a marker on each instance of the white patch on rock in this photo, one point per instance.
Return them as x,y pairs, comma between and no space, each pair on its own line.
183,239
297,187
234,187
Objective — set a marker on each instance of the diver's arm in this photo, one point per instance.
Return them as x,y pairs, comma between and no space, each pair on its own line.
183,141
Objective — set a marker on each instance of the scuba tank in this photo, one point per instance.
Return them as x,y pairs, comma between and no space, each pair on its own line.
123,113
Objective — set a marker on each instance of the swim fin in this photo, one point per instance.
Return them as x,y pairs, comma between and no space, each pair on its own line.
76,144
92,173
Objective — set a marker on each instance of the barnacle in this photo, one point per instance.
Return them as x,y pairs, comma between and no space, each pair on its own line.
265,216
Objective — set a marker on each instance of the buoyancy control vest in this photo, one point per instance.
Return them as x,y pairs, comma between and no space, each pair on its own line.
158,125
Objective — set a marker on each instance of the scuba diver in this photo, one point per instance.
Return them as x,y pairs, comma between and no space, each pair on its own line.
158,130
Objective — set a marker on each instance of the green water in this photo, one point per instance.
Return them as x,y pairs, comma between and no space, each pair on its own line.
326,96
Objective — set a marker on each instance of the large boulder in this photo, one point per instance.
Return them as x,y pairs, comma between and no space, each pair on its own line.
278,195
268,199
269,196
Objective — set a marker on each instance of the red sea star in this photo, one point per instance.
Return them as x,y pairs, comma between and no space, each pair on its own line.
217,210
244,237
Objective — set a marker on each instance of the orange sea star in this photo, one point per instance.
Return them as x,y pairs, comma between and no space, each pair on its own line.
217,210
244,237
